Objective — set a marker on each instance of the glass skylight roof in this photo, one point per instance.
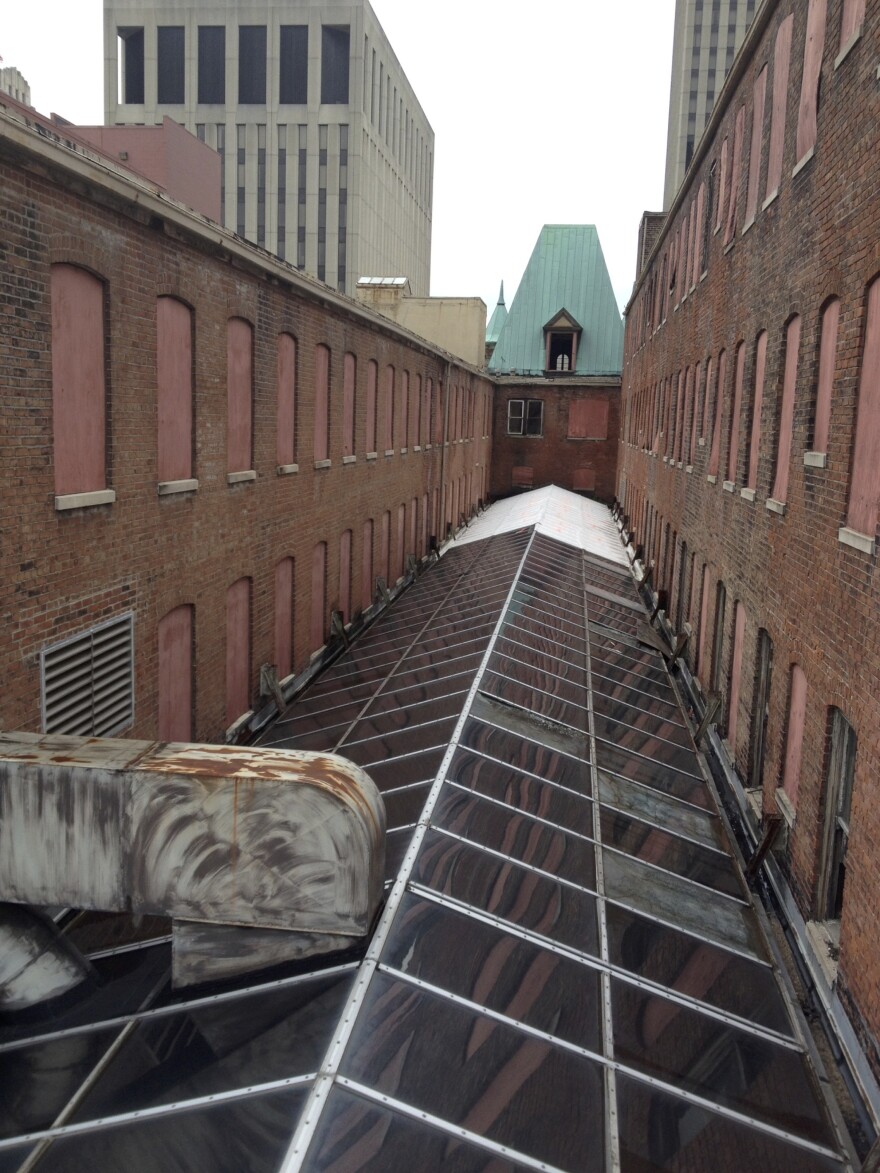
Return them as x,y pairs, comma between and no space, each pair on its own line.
567,975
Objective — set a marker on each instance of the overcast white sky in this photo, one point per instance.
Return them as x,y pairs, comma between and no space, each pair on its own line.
551,115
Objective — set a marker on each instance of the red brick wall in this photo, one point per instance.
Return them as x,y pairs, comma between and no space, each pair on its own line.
554,458
818,598
64,571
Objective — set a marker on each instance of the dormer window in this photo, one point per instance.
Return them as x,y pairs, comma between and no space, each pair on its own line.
561,336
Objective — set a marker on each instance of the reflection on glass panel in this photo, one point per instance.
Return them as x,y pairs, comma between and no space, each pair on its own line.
508,891
513,737
395,745
654,807
396,844
419,671
658,847
127,982
658,777
660,1131
218,1047
399,717
478,1073
679,902
648,743
524,793
355,1133
11,1160
250,1135
634,691
404,807
695,968
649,718
540,680
39,1080
549,658
497,969
516,835
420,691
396,772
716,1061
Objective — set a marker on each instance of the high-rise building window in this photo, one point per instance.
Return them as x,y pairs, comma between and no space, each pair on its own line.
212,64
170,65
240,178
342,229
301,173
280,245
323,132
221,151
252,65
261,184
131,44
335,53
293,65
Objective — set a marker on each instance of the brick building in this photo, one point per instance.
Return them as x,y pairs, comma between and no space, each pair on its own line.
206,454
750,472
556,360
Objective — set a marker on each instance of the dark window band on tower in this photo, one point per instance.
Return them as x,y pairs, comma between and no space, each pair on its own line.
252,65
293,65
334,65
212,64
170,65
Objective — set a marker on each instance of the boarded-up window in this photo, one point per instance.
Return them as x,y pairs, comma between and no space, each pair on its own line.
786,413
757,408
718,400
388,410
403,416
794,741
284,597
415,422
345,576
851,21
522,477
588,419
735,176
176,674
781,65
425,430
699,250
827,365
735,411
372,380
809,105
385,546
78,388
322,403
739,634
286,401
318,629
722,186
349,380
584,480
367,584
704,624
760,95
174,388
437,411
401,542
238,649
239,395
864,491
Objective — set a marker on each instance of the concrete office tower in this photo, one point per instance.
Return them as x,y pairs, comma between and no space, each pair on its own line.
707,35
327,154
13,83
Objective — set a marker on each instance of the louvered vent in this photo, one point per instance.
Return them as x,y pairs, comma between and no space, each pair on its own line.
88,681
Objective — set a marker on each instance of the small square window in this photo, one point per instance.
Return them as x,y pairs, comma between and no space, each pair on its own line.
525,417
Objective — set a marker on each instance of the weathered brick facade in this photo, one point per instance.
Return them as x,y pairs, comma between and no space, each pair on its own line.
65,571
555,457
718,279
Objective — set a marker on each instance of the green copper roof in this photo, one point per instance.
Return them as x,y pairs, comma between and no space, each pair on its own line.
566,272
493,330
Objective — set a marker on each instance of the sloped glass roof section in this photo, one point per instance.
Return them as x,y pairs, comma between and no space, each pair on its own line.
568,973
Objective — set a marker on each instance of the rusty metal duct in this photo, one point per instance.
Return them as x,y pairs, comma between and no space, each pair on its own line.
257,855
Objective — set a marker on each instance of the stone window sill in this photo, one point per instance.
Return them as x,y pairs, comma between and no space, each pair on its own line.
851,537
417,447
769,200
748,224
747,494
701,443
775,506
728,486
785,807
372,456
285,470
848,47
801,164
239,478
815,460
349,460
169,488
323,464
389,451
712,479
85,500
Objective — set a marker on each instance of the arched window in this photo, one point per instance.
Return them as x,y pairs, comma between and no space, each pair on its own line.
239,396
285,422
174,389
322,404
284,603
175,683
